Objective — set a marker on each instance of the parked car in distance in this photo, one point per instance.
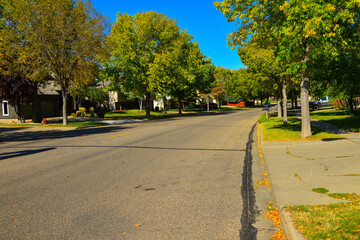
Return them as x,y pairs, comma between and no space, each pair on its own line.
267,104
212,106
314,105
324,101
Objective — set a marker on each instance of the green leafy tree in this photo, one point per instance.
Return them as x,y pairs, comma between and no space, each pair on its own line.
344,79
218,90
206,80
135,43
59,38
298,29
180,71
262,63
98,96
267,80
237,87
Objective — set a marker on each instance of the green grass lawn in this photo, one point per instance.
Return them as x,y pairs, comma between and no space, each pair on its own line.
338,118
135,114
230,108
274,130
334,221
78,124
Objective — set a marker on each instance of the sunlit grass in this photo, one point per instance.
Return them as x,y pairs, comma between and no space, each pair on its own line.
274,130
334,221
136,114
78,124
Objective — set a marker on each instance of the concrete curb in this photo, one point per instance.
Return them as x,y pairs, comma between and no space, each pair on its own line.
291,233
287,225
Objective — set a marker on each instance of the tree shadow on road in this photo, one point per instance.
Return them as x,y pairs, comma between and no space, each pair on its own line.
25,136
22,153
10,129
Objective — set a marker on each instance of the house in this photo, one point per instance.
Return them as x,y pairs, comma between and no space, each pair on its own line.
117,100
50,104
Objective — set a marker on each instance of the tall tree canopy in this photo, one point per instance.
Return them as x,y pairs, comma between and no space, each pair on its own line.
221,76
181,70
135,43
59,38
298,28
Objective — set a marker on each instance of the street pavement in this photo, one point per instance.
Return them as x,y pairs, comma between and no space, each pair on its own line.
295,168
180,178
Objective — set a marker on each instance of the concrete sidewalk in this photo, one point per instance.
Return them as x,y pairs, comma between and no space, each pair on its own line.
295,168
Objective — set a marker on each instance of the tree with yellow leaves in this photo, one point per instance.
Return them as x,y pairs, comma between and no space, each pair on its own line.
299,29
61,39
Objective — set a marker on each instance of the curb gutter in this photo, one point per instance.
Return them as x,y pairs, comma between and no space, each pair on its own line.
286,221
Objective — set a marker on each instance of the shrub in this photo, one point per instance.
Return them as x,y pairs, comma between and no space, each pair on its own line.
263,118
83,111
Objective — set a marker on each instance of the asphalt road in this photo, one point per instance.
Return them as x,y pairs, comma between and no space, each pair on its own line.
165,179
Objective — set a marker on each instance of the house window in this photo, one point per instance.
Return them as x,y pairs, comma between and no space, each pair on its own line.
5,108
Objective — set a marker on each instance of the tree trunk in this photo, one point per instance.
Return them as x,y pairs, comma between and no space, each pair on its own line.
36,106
279,115
64,106
147,104
285,120
18,112
180,107
296,103
304,95
74,104
207,103
351,105
165,103
140,104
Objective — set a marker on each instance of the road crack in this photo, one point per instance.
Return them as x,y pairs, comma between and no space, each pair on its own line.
248,231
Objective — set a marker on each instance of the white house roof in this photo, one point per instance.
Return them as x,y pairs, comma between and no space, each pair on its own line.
49,89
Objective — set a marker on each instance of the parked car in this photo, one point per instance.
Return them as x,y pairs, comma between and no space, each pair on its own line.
324,101
314,105
212,106
267,104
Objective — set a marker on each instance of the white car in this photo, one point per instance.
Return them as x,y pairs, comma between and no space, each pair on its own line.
324,101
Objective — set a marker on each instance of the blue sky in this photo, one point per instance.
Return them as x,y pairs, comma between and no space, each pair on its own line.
200,17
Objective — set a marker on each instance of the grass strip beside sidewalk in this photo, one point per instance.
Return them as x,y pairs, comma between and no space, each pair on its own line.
334,221
274,130
338,118
136,114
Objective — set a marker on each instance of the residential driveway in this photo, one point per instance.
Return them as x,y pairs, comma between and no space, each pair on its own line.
166,179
